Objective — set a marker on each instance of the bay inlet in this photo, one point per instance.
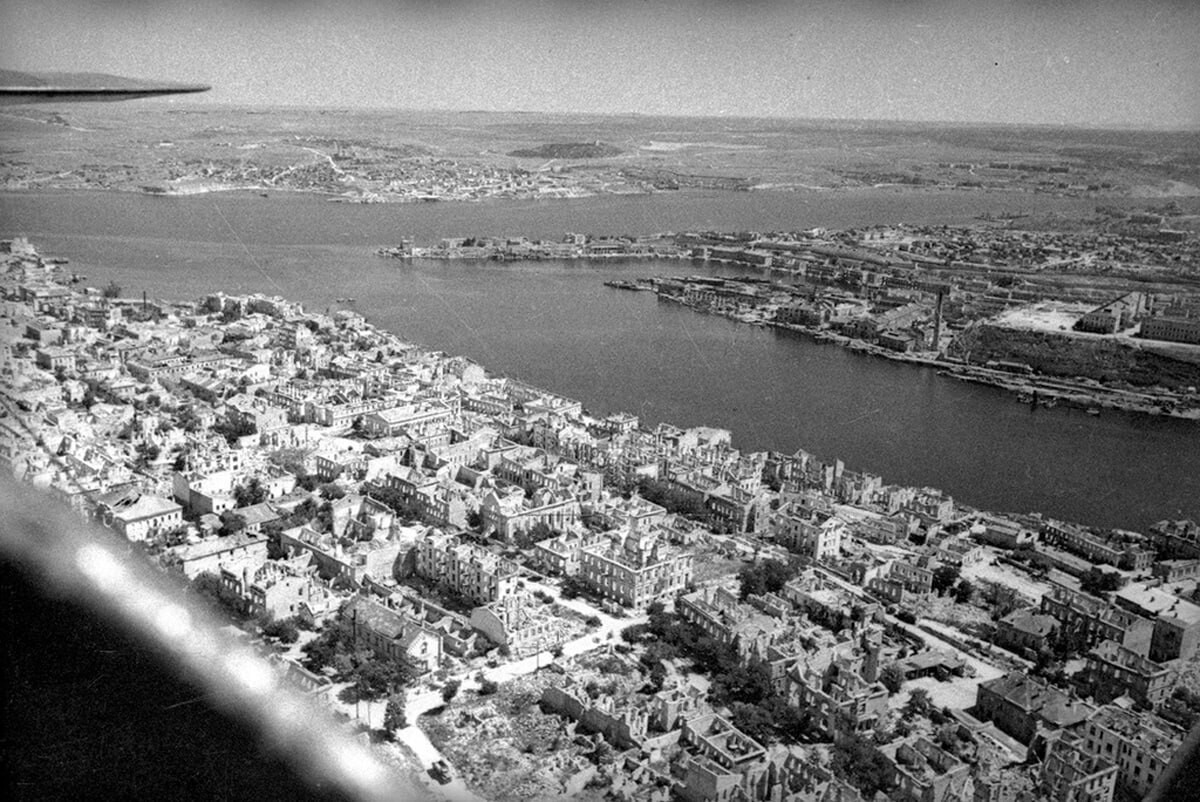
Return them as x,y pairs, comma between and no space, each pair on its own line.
555,325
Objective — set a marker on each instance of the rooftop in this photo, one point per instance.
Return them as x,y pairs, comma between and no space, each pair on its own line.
1159,603
147,507
218,545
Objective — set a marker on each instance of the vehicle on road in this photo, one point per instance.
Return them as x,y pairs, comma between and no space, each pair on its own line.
440,771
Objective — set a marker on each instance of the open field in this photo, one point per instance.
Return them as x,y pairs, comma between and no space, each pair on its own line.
1051,316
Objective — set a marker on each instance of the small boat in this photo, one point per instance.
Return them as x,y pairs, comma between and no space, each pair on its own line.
1093,410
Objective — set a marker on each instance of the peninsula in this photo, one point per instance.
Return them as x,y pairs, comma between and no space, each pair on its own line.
531,601
1100,313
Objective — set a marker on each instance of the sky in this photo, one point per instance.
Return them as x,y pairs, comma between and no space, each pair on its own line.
1077,62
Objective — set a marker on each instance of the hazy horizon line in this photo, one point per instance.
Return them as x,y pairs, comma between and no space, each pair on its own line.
1112,126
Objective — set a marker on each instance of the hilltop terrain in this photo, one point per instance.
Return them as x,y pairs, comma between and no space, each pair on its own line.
568,150
372,155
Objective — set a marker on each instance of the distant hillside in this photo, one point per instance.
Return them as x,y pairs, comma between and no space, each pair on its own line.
568,150
82,81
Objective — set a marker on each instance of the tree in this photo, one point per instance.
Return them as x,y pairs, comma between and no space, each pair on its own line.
688,503
572,587
754,720
393,498
918,703
209,586
337,638
232,431
273,530
488,687
860,763
148,453
603,754
768,576
112,290
658,675
188,420
537,533
332,491
892,677
374,678
634,633
450,690
944,577
964,591
302,513
250,493
323,520
947,738
231,523
176,536
1098,581
1002,599
284,629
394,715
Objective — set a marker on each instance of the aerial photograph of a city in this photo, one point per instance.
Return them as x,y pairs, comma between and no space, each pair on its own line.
614,402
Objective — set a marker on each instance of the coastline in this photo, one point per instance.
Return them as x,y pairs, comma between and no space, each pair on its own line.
1056,390
1050,390
782,391
1007,200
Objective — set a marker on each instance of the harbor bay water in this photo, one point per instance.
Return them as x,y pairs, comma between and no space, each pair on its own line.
555,325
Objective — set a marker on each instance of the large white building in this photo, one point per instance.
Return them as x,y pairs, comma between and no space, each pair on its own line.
636,570
145,517
818,536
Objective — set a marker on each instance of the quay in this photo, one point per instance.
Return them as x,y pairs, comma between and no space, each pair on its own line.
740,299
978,302
908,294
